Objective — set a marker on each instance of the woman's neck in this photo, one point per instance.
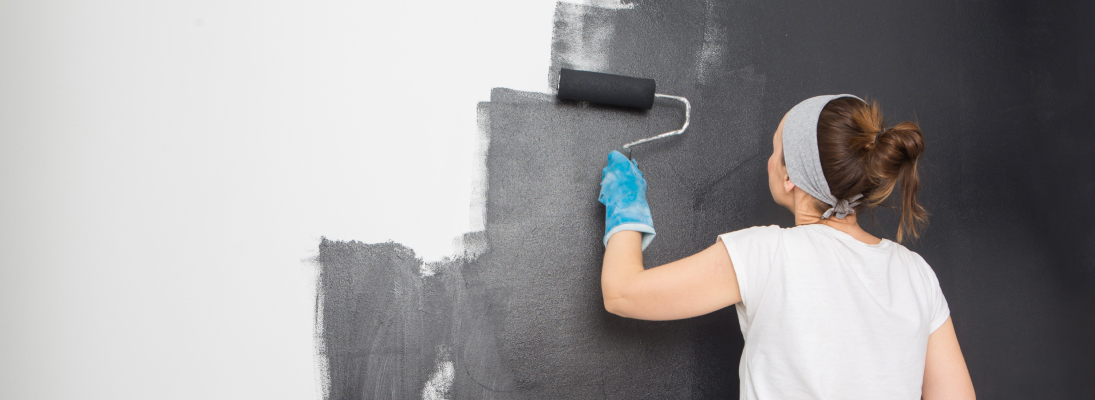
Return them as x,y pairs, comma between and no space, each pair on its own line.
806,214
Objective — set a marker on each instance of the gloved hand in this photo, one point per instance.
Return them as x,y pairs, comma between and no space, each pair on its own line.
623,192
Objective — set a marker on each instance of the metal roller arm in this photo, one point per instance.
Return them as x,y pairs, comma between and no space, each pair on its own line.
687,119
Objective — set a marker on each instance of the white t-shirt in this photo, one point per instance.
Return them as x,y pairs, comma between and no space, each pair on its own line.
826,316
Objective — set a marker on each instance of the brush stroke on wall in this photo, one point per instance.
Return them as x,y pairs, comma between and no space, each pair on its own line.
1007,123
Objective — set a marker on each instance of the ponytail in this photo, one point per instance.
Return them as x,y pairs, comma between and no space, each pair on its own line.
860,156
892,160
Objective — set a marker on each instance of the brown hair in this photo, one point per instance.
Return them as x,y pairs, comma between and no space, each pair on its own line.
860,156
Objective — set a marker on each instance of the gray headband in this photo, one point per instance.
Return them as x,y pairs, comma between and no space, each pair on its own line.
801,154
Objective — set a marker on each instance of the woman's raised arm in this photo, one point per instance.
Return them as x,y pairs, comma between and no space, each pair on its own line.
690,287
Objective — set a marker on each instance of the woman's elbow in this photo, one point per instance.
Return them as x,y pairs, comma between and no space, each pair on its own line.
611,308
615,305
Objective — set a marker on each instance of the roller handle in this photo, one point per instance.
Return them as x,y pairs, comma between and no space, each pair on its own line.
608,89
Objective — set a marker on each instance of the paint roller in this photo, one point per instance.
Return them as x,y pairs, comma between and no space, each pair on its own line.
617,90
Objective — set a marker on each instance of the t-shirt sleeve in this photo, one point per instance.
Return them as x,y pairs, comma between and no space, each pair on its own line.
751,251
938,309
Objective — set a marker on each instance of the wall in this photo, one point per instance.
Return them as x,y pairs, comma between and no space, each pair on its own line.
1001,90
232,199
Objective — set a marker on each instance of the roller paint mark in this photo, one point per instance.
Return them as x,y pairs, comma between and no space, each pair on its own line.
611,4
711,56
478,203
580,39
439,387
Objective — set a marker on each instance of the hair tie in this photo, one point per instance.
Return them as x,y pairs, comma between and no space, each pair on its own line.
843,208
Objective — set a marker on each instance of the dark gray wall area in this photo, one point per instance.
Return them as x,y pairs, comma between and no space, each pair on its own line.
1002,90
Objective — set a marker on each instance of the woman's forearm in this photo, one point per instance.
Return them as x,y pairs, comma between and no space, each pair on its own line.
623,261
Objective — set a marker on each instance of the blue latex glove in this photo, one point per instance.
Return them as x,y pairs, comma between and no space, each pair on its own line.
623,192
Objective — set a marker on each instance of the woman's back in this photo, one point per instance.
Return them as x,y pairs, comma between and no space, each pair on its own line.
825,314
828,311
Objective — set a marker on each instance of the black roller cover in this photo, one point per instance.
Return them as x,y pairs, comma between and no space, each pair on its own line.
601,88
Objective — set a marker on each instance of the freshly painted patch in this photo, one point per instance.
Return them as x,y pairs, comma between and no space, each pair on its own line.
391,326
519,314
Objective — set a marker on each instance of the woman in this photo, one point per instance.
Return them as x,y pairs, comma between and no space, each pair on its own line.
827,310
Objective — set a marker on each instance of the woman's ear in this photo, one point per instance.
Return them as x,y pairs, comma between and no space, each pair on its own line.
787,185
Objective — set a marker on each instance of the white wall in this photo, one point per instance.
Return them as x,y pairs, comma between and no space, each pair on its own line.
167,170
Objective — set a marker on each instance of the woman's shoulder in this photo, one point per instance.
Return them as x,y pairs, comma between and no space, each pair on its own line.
760,230
912,257
755,238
